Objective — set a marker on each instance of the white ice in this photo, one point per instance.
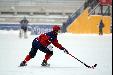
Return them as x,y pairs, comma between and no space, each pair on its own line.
91,49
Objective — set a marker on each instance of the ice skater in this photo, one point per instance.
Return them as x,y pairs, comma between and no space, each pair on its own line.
43,44
23,28
101,26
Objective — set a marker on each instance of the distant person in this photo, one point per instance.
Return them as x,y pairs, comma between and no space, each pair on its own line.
101,26
111,28
23,29
64,27
43,44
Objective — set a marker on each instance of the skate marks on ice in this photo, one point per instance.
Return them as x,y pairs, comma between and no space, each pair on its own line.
53,67
59,70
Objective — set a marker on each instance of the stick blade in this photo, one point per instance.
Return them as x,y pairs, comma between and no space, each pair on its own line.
94,66
90,66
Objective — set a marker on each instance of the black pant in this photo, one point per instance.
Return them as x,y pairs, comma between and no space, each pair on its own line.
24,28
37,45
100,31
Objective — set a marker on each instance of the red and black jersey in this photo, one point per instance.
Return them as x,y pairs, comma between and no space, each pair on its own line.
48,38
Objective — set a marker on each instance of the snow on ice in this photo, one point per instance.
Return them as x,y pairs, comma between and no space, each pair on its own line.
91,49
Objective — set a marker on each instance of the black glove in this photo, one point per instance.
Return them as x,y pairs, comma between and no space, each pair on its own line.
65,51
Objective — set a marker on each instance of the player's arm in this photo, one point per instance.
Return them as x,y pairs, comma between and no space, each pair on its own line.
56,44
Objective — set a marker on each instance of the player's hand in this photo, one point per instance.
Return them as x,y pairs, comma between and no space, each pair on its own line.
65,51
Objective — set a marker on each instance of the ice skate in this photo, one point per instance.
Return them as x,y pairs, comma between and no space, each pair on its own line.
44,63
23,64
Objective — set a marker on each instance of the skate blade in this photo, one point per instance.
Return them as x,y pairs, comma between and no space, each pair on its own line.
22,66
48,65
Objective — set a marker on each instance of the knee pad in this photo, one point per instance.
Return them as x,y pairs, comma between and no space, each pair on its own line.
50,47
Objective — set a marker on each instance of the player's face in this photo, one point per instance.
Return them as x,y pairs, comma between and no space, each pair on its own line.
58,31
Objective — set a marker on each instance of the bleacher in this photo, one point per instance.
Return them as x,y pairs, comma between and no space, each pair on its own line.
88,18
38,10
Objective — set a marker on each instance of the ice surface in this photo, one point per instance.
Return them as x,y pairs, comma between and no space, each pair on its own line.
91,49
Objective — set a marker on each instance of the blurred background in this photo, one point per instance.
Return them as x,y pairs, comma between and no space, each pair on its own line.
74,16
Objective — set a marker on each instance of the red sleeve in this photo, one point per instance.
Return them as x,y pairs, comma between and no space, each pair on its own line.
56,44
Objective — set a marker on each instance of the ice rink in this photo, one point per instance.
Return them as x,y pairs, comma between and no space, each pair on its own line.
91,49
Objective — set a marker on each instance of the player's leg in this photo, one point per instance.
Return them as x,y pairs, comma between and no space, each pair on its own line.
47,57
100,31
49,53
20,33
25,32
32,53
